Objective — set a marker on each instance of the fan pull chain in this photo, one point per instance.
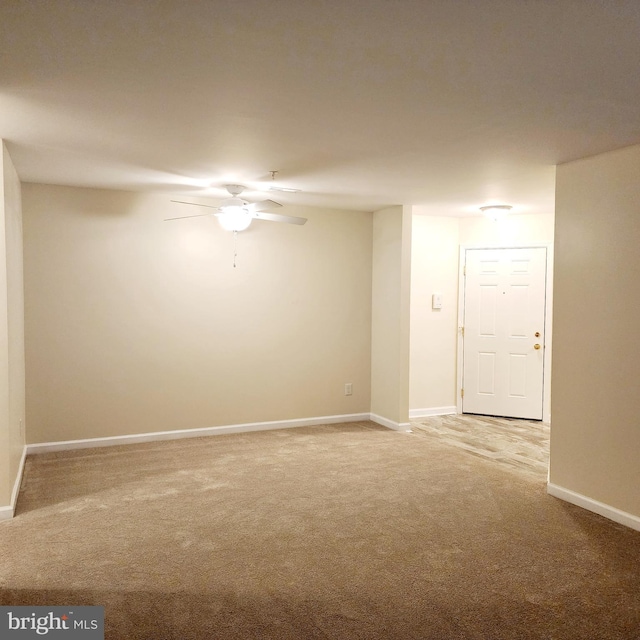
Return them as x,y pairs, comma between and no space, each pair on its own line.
235,248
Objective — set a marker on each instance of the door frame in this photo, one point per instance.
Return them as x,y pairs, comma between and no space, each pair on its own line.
546,381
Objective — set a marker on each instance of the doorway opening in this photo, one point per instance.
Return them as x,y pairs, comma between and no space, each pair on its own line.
504,332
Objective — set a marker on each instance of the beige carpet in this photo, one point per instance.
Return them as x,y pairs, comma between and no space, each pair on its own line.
342,531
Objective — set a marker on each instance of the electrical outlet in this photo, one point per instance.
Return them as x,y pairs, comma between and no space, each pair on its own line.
348,389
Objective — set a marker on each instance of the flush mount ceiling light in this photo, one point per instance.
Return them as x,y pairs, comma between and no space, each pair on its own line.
496,211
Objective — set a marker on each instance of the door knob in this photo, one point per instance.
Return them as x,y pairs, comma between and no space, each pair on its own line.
536,346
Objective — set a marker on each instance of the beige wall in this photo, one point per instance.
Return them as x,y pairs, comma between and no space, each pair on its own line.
515,230
12,385
434,269
390,315
595,434
136,325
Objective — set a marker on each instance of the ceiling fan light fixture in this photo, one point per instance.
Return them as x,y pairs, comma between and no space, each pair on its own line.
496,212
234,218
235,214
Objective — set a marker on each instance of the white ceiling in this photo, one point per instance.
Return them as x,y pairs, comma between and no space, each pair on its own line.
361,104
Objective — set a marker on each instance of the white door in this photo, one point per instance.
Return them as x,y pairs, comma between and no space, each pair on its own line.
503,336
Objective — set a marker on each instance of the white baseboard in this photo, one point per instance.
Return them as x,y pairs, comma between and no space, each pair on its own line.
385,422
432,411
6,513
621,517
110,441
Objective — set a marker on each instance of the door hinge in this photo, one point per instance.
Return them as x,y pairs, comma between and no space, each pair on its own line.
462,393
464,270
462,331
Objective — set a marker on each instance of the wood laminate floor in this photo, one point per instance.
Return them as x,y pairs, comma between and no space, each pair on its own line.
521,444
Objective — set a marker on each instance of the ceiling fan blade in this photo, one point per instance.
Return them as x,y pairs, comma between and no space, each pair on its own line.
263,205
276,217
195,204
198,215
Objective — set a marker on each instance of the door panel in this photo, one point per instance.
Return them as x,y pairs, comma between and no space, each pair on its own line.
486,373
517,375
487,310
504,302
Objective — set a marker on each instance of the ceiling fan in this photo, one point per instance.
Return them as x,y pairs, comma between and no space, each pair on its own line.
236,214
